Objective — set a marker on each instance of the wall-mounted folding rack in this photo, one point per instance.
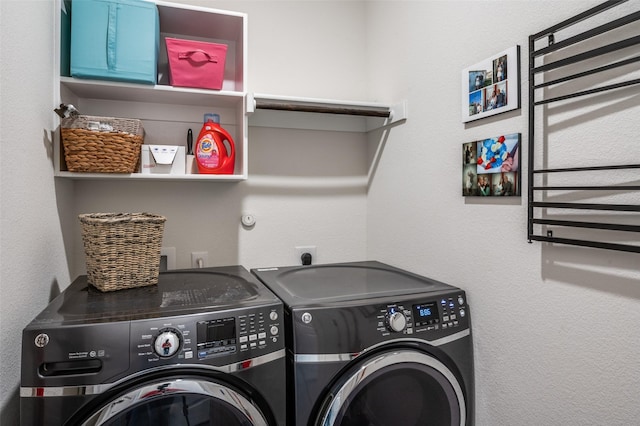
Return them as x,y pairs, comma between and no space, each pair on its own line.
573,71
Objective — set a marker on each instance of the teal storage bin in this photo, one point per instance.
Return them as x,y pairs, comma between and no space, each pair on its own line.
65,38
115,40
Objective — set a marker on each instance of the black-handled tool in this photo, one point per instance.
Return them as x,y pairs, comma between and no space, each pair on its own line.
189,142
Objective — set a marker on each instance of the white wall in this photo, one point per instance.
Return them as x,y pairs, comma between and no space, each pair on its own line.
555,328
33,263
555,341
301,185
305,187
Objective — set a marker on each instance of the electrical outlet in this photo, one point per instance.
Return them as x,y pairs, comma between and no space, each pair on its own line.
300,250
167,258
199,259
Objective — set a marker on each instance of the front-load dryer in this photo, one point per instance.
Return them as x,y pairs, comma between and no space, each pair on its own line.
370,344
203,347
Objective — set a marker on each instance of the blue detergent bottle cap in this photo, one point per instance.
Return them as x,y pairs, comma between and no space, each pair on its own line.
212,117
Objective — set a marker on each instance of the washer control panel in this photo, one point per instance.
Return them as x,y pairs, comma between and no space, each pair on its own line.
215,338
439,313
258,329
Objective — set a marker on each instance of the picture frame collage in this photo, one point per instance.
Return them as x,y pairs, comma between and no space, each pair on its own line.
491,167
492,86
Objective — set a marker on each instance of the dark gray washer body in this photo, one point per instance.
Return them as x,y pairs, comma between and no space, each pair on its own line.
88,350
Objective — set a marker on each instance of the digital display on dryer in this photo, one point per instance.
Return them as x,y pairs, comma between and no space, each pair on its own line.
425,314
217,333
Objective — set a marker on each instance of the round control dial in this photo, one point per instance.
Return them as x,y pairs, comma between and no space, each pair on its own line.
396,321
167,343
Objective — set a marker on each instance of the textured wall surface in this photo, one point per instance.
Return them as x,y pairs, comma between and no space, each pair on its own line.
555,328
305,187
33,261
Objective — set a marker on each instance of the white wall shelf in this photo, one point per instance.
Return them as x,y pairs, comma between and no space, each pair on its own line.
167,112
153,177
162,94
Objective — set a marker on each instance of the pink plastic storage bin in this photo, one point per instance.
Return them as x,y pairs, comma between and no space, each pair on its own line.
196,63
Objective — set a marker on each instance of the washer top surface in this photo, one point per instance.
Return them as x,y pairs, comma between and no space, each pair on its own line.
319,284
177,293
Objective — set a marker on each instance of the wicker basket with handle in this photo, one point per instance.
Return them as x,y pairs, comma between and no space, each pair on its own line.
122,249
101,144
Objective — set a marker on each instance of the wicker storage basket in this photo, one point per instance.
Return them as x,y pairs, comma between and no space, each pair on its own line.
101,144
122,249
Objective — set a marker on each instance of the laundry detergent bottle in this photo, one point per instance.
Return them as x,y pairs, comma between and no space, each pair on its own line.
215,150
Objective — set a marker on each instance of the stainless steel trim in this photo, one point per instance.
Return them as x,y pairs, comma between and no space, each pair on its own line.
175,387
56,391
312,358
79,390
383,361
249,363
450,338
320,358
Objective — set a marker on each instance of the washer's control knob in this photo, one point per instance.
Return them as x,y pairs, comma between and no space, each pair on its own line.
167,343
462,312
460,300
274,330
273,315
396,321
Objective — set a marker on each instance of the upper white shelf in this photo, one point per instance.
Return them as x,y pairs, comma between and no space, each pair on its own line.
131,92
321,114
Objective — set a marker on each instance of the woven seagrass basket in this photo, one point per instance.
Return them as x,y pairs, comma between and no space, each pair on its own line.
122,249
101,144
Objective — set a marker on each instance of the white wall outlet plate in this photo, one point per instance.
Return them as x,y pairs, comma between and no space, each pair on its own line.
169,255
300,250
199,259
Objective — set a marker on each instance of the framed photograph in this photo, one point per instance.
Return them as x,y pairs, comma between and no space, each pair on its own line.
491,167
492,86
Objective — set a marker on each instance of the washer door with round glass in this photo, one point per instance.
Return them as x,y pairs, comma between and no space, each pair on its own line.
395,387
177,402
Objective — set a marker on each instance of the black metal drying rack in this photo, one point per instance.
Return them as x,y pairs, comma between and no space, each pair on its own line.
540,86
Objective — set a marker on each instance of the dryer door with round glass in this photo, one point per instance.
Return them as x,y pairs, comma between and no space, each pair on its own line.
395,387
188,401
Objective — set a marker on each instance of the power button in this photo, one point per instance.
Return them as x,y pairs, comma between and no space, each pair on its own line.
306,317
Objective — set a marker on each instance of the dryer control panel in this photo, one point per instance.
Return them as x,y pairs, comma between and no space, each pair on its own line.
442,313
353,326
447,312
